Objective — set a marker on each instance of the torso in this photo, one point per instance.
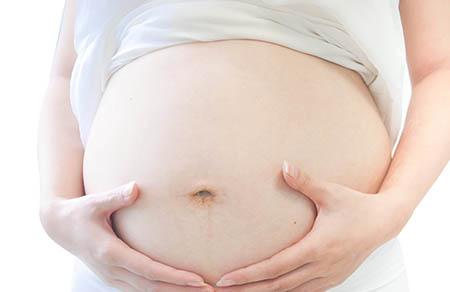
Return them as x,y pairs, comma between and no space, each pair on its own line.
221,117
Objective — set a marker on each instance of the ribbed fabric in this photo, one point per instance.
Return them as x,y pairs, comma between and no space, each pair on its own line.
362,35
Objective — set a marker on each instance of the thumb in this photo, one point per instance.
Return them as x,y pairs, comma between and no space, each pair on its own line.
112,200
316,189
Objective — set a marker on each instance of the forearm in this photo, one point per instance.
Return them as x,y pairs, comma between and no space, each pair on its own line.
424,146
60,152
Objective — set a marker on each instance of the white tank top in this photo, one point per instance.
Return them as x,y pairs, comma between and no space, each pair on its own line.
363,35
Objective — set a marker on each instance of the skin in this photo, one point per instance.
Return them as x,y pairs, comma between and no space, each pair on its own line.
339,241
64,207
320,260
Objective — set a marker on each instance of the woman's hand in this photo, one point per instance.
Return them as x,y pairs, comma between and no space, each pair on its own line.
348,227
83,227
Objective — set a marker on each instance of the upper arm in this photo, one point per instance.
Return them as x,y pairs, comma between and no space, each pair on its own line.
426,26
65,55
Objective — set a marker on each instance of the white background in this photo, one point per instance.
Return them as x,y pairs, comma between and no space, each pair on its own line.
30,261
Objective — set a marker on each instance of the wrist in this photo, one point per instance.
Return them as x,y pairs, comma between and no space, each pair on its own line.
47,215
397,210
51,214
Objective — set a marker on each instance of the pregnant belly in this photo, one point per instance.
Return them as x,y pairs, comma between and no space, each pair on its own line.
203,128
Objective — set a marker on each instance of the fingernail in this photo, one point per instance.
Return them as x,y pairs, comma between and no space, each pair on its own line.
128,188
196,283
290,169
224,282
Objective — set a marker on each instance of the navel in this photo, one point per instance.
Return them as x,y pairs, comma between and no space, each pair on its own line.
203,195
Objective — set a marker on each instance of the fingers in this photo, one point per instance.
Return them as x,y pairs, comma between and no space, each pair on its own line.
318,284
316,189
280,284
109,201
120,261
142,284
123,286
144,266
290,258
